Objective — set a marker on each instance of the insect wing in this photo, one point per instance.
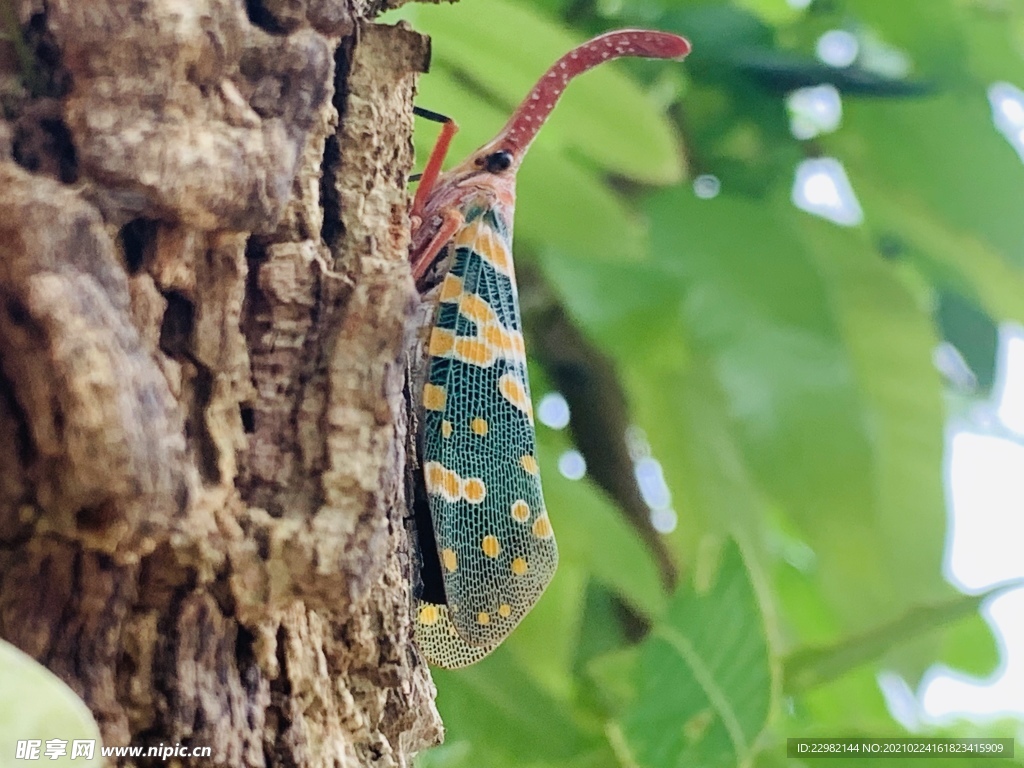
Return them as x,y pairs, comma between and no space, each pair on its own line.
440,642
494,537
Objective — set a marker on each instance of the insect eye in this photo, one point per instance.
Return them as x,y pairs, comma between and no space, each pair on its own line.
496,162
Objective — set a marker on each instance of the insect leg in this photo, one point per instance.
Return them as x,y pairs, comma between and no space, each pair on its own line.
453,219
433,167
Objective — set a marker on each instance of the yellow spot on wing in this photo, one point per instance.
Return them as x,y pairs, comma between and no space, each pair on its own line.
479,426
474,490
519,566
504,610
446,428
428,615
474,351
481,238
450,560
483,618
542,527
493,250
490,546
467,236
529,464
450,485
442,341
509,344
443,481
477,310
446,482
513,390
520,511
434,397
451,288
434,475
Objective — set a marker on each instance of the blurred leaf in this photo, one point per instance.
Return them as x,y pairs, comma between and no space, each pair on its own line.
719,32
973,333
546,644
615,675
791,328
791,308
943,156
562,205
773,11
29,67
593,537
970,647
506,717
898,538
812,666
729,40
928,30
993,32
36,704
853,702
783,71
612,301
956,260
706,683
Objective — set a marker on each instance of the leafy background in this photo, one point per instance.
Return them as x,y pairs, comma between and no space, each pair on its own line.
779,368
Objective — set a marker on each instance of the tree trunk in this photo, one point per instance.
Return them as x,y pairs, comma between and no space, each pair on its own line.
205,307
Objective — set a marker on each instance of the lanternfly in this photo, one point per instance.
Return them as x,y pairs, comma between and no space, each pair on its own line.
495,548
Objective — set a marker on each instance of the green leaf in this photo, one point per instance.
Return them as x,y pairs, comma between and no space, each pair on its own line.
971,648
930,31
945,157
853,701
614,675
845,432
561,204
506,717
594,537
953,259
973,333
786,310
903,528
36,704
545,642
719,33
772,11
993,35
706,682
611,301
784,71
812,666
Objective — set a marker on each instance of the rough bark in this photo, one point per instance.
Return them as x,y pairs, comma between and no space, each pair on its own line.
204,314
